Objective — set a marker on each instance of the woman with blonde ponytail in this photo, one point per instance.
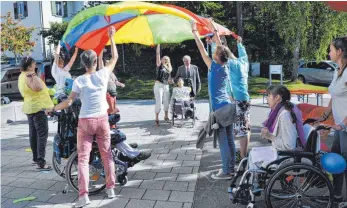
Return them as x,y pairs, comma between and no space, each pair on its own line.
161,86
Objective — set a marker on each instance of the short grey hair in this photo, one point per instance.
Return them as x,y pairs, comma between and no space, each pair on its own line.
88,58
186,57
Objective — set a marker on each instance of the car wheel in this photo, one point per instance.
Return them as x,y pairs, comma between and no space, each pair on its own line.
302,79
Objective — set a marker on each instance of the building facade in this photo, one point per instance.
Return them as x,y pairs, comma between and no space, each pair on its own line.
39,14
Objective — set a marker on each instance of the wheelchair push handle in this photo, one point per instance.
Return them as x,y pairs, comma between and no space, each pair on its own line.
320,127
52,113
310,120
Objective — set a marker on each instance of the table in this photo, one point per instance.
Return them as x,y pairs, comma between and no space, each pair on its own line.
301,94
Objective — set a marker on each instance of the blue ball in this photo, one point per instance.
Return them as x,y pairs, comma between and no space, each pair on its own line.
333,163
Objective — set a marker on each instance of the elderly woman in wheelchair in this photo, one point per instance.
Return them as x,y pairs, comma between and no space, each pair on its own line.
181,102
289,170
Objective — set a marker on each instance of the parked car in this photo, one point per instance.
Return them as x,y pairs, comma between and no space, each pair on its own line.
317,72
9,79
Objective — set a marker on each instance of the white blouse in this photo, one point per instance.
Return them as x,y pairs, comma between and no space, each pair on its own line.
338,92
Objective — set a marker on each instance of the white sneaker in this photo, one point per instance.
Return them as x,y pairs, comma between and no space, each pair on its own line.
110,193
221,176
82,201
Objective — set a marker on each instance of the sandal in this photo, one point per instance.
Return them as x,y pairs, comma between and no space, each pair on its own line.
157,122
46,168
167,119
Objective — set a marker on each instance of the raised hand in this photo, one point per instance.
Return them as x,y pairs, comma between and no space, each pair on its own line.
193,24
111,31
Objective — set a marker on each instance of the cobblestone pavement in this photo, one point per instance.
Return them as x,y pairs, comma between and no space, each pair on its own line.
177,175
167,179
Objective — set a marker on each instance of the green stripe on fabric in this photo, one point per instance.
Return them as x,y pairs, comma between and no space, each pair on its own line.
169,29
85,14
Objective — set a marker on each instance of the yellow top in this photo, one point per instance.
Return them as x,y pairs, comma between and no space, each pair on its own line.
33,101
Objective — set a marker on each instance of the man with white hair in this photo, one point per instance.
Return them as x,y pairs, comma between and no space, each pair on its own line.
189,71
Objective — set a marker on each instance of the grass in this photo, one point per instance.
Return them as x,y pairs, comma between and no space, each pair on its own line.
142,88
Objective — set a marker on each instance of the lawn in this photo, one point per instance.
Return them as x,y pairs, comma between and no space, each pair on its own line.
142,88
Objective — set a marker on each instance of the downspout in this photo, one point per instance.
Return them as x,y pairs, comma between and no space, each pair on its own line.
42,28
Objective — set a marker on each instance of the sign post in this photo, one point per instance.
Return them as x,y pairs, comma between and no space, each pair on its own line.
276,69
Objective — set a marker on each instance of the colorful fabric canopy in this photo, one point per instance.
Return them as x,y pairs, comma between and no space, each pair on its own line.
135,22
203,22
338,5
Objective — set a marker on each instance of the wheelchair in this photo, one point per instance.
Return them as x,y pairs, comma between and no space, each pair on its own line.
294,179
185,109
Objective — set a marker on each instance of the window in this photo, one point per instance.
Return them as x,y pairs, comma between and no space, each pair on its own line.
20,9
13,75
312,65
323,65
59,8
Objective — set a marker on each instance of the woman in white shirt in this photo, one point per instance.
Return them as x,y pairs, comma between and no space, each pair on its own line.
282,127
338,107
60,72
181,94
93,119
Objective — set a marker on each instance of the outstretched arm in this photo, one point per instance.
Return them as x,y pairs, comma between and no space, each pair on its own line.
200,45
100,61
110,65
72,60
216,37
157,55
243,57
57,53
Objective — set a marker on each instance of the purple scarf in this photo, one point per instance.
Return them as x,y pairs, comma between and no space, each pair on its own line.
272,120
273,116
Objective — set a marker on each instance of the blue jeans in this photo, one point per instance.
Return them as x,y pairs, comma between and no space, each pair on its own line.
227,148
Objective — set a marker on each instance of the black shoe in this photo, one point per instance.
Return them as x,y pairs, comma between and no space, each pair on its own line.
143,155
42,165
189,113
133,145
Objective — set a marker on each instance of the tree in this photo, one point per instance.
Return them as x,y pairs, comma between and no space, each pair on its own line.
55,32
307,28
15,37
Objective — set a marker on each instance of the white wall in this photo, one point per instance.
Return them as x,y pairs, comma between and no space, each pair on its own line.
32,20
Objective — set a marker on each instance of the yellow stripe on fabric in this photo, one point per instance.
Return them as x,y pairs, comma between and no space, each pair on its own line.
135,31
119,7
142,11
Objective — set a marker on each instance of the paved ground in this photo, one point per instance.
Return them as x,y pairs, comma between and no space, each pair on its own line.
168,179
177,174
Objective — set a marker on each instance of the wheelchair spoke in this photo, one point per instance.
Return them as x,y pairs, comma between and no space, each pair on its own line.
299,186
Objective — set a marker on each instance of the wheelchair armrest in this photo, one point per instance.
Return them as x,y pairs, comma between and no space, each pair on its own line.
293,153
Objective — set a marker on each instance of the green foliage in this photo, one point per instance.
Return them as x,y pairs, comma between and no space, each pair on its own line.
14,36
306,28
55,32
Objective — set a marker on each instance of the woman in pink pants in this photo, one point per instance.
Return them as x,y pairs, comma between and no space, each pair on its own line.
93,119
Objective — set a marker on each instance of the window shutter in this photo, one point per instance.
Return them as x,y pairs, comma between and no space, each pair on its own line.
53,7
15,10
65,9
25,9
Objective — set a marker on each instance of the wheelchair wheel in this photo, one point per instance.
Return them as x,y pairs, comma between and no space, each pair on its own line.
299,185
58,165
97,180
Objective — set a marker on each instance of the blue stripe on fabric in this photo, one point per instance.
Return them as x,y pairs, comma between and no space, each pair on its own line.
94,23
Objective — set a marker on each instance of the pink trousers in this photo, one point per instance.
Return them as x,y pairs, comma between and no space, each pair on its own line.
87,129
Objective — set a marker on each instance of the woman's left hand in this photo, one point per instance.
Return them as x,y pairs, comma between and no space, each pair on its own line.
193,24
